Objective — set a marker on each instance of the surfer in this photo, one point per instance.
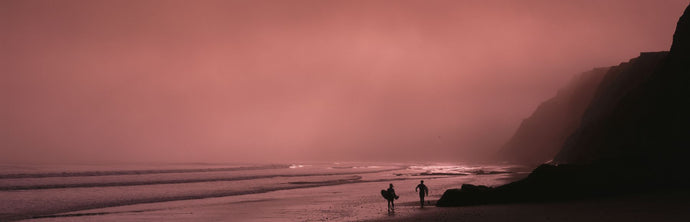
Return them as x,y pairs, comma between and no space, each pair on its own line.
390,197
423,191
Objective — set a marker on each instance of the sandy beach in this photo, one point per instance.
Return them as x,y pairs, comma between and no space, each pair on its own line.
348,202
661,206
319,204
325,192
310,192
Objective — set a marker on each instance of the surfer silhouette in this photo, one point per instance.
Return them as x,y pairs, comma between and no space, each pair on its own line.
423,191
390,196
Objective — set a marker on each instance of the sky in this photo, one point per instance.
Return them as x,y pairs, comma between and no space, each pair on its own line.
304,80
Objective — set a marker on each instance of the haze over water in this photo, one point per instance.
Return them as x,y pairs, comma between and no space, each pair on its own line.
282,81
304,110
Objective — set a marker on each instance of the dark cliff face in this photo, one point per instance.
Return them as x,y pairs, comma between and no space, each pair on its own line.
644,121
541,136
681,38
601,127
634,137
638,115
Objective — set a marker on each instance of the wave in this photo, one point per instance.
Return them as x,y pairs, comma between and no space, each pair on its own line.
172,181
451,170
136,172
180,187
350,179
488,172
63,212
441,174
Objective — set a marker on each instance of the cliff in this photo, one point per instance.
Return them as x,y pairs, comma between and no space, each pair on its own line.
619,82
634,136
642,120
541,136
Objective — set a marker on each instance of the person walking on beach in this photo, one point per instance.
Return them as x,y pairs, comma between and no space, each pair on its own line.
423,191
390,197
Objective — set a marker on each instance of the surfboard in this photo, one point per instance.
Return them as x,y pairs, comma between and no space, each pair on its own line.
387,195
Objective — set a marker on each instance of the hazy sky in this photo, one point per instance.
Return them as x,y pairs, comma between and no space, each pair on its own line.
297,80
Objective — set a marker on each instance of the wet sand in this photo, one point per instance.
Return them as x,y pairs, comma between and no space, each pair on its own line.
667,206
332,192
294,192
303,207
346,202
359,202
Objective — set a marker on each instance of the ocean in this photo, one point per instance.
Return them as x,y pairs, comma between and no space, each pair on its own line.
341,191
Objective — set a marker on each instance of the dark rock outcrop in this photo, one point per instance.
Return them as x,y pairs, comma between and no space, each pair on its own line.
634,136
541,136
554,183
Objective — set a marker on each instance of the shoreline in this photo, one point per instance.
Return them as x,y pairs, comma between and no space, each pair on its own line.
657,206
352,195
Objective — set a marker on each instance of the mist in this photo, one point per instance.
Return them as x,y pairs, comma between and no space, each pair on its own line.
275,81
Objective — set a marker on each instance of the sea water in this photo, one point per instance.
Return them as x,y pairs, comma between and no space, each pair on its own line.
299,191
